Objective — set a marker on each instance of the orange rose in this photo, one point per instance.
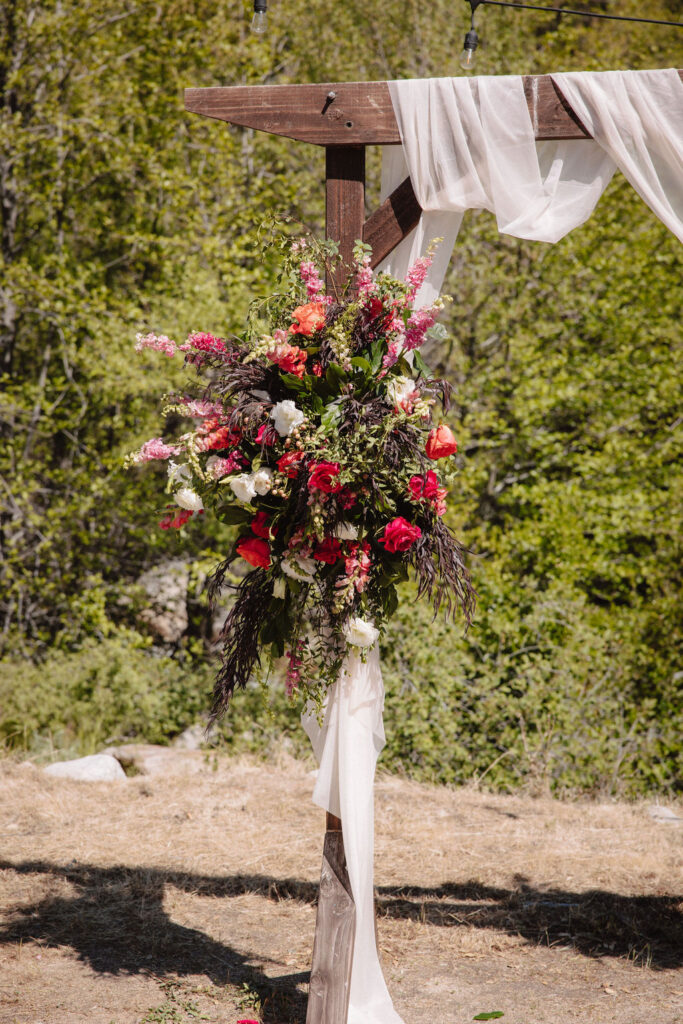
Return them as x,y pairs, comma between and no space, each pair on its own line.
311,318
440,443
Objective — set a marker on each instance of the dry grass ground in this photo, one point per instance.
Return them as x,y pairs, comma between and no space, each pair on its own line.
189,895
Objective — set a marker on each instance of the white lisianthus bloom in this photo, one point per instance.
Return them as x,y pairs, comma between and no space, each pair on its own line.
262,480
279,588
346,531
399,389
302,569
189,499
178,473
243,486
286,417
360,632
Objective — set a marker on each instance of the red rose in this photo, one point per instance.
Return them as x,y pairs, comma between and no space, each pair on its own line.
260,526
266,434
329,551
289,463
399,534
322,477
415,486
255,551
311,318
441,442
431,485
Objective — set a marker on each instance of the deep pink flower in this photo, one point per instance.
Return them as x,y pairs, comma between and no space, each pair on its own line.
266,434
399,535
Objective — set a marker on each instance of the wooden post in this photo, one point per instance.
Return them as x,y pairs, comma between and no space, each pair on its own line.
335,927
344,205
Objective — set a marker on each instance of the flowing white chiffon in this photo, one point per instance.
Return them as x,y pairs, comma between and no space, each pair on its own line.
469,143
347,746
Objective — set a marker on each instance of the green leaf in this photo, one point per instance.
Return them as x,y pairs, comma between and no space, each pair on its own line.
420,364
292,382
233,514
492,1015
361,363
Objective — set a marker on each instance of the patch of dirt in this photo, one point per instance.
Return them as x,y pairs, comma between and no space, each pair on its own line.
190,895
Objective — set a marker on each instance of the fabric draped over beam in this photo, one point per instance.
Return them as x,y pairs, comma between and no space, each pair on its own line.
468,143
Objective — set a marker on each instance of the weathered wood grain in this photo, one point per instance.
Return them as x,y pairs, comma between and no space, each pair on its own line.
359,113
328,995
345,205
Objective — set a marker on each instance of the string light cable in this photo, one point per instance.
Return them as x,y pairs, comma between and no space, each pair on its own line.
467,57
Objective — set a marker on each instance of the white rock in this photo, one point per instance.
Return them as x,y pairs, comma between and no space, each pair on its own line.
663,814
191,739
166,587
96,768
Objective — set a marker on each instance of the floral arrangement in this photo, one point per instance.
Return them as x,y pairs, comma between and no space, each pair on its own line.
316,435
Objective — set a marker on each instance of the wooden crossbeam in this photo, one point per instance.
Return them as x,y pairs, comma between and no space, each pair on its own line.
355,113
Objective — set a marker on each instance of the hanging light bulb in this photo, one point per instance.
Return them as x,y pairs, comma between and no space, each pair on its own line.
259,23
468,55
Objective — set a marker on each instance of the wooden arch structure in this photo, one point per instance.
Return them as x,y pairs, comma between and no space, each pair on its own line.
345,117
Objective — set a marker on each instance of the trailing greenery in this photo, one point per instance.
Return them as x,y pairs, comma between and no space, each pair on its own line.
120,212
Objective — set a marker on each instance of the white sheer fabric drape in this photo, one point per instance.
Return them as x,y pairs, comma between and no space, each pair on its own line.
347,746
469,143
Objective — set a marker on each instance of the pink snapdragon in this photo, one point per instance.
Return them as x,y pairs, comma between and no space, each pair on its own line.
417,274
309,275
157,342
365,282
357,565
293,670
200,343
419,322
198,408
218,467
155,448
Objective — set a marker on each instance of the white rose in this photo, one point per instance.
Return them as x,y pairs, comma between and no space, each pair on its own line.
346,531
286,417
302,569
279,588
189,499
243,486
360,632
262,480
399,388
178,473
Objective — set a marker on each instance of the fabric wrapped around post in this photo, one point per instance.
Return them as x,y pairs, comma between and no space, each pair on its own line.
347,746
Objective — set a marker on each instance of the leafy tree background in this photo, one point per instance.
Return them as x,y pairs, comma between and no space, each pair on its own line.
120,212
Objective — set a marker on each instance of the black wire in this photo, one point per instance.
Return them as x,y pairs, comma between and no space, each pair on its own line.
582,14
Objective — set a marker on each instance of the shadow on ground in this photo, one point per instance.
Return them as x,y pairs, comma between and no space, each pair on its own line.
113,919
